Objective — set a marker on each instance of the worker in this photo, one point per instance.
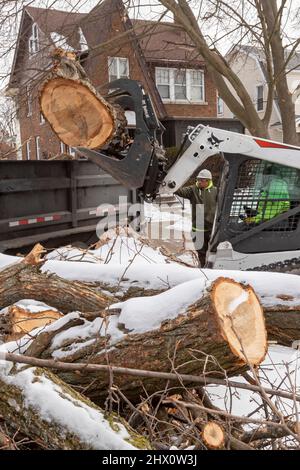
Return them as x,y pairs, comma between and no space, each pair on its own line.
202,194
274,200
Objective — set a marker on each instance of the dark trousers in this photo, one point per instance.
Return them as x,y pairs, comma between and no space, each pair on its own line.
201,252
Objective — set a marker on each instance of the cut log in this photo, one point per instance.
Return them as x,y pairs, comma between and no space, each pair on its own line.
41,406
23,321
24,280
213,435
77,113
224,330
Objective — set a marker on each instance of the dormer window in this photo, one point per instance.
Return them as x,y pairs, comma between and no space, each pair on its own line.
34,40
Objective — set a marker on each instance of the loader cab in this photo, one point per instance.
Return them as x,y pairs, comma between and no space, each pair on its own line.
259,206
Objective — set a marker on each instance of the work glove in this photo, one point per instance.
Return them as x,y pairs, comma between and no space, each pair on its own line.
249,220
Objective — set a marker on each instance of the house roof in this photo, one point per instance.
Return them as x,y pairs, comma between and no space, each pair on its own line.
165,41
63,23
161,41
293,63
48,21
54,20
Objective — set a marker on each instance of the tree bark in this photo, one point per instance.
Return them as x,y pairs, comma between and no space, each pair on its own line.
283,324
44,408
239,101
77,113
212,335
285,100
25,281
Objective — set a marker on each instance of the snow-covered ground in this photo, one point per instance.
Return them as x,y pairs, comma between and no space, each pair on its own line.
280,370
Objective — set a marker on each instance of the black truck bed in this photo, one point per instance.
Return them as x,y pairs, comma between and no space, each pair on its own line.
55,202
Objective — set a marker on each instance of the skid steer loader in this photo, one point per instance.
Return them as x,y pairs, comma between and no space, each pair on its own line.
258,211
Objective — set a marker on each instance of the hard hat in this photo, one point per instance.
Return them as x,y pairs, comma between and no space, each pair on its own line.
204,174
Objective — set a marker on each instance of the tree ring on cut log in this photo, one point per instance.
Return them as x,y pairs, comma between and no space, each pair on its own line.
77,116
241,320
213,436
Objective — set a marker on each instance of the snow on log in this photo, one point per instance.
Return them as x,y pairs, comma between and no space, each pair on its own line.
220,329
44,408
148,274
77,113
24,280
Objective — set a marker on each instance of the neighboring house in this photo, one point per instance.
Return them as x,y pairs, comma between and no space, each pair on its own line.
157,54
249,64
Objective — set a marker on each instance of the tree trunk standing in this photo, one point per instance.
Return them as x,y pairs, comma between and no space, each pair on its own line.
285,100
267,34
249,119
44,408
77,113
241,105
224,330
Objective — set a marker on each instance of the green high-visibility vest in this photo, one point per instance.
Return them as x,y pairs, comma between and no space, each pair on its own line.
273,201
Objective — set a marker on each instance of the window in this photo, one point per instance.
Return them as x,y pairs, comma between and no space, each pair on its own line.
28,149
29,101
34,40
38,147
118,67
163,83
62,147
180,84
72,151
220,105
42,119
265,191
197,85
260,98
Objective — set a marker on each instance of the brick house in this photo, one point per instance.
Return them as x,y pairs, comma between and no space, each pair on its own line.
111,46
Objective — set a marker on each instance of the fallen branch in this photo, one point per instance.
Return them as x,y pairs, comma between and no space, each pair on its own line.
192,379
222,331
240,419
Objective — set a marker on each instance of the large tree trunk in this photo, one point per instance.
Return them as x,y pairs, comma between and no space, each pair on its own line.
224,330
285,100
25,280
77,113
235,95
50,412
